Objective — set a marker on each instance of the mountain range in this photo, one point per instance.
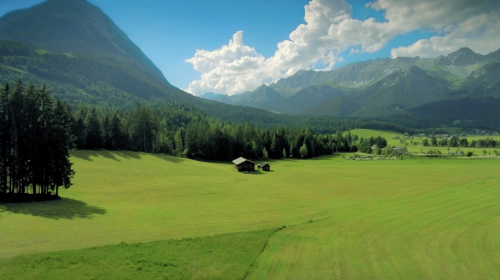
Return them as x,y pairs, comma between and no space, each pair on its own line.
462,84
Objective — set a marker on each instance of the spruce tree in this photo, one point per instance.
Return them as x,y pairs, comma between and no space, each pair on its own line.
62,142
79,130
179,140
106,132
116,134
275,147
5,137
94,137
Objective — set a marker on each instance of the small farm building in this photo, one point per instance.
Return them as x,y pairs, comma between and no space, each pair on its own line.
266,167
243,164
401,150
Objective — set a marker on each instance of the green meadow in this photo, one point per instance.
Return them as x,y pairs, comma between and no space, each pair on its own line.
135,215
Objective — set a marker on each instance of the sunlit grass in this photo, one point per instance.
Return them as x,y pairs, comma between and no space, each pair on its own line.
420,218
227,256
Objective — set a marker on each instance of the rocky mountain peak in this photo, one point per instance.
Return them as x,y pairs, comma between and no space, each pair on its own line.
464,56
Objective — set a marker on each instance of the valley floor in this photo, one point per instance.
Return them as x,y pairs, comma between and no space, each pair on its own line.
411,219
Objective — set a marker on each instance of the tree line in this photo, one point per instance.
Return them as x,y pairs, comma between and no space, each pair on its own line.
455,141
35,139
175,128
372,145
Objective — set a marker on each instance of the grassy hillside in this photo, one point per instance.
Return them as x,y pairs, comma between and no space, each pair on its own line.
425,218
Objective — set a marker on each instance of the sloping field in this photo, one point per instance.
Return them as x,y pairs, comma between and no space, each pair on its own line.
390,135
416,219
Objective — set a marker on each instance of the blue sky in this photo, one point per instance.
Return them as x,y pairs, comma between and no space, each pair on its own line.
169,32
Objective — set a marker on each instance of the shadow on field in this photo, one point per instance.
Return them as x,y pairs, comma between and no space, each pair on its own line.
87,154
128,155
113,155
64,208
168,158
108,154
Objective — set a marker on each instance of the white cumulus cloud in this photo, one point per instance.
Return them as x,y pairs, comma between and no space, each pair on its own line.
329,30
480,33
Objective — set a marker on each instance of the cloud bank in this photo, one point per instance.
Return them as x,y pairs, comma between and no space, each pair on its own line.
329,30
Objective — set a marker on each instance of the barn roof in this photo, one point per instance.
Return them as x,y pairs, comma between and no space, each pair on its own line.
240,160
266,164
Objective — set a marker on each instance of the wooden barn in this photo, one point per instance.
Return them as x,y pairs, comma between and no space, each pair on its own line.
266,167
243,164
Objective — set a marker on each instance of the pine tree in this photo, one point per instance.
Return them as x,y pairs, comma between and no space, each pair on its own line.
142,129
79,130
275,147
44,168
106,132
116,135
5,144
62,142
94,138
17,164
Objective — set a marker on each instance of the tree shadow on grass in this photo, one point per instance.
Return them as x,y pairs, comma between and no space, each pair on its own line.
169,158
64,208
128,155
108,154
87,154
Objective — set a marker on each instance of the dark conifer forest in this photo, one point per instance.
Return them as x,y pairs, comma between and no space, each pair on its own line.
35,139
178,129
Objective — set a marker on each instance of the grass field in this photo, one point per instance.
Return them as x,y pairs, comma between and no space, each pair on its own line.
411,219
226,256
